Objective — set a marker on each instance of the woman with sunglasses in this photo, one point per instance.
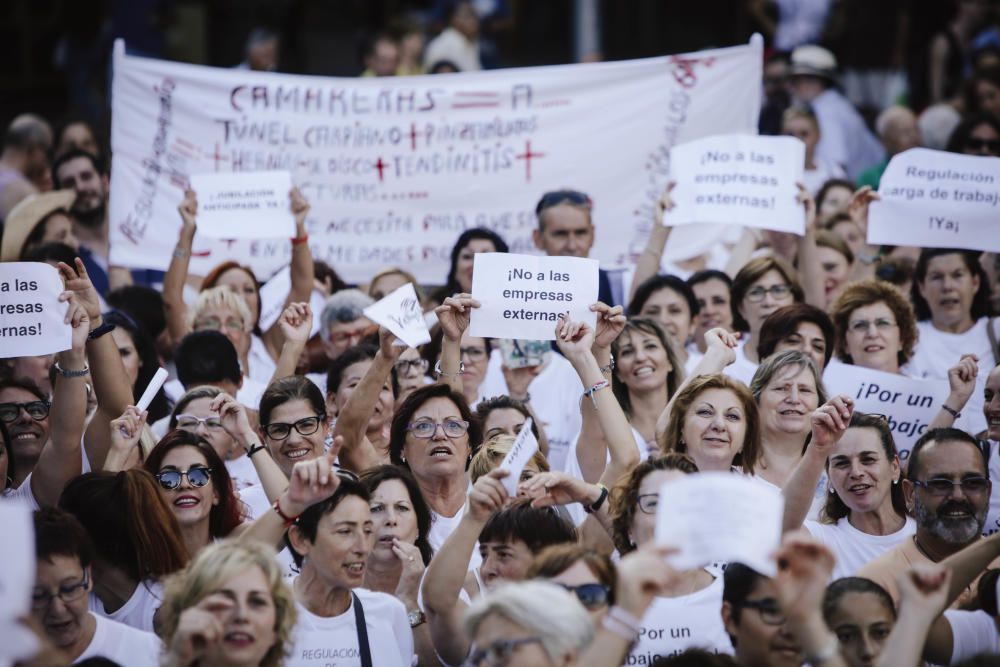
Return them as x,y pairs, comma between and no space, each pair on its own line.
694,598
589,575
258,351
42,439
865,512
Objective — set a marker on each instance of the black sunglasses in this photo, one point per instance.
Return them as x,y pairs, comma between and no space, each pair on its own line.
197,476
37,410
974,144
591,596
550,199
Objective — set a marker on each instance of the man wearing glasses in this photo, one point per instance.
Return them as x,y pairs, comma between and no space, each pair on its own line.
947,492
566,230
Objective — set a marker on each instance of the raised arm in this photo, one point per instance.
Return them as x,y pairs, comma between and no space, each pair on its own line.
969,563
359,453
923,596
296,326
648,264
828,425
810,268
301,270
446,572
125,434
961,383
454,316
111,384
174,308
60,458
605,428
236,421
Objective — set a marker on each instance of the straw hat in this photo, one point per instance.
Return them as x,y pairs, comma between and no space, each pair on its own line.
24,217
812,60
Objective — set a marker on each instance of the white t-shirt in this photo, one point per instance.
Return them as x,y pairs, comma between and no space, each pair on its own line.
319,642
853,548
742,369
993,517
262,366
555,399
673,625
573,469
257,505
442,526
138,610
972,633
122,644
937,351
243,473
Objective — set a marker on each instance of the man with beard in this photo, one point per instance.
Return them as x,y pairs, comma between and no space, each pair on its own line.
947,491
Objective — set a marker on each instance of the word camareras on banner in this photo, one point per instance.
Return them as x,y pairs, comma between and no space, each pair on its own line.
395,169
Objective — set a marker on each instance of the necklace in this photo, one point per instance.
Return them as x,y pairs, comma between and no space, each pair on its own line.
916,543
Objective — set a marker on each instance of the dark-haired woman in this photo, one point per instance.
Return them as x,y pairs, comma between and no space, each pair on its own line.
951,299
463,253
669,302
865,513
711,293
138,353
862,614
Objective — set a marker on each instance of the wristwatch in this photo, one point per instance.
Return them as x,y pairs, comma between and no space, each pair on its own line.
416,617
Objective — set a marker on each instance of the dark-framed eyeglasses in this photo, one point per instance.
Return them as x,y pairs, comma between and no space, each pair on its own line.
197,476
591,596
425,430
304,426
405,366
976,144
942,486
37,410
498,653
556,197
41,599
768,609
776,291
473,353
648,502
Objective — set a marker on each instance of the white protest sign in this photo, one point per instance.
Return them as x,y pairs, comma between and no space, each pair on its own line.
524,447
719,517
31,316
273,295
17,576
908,403
524,296
738,179
400,312
934,199
248,205
396,168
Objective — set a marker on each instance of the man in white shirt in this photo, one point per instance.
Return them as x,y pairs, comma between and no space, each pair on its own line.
59,599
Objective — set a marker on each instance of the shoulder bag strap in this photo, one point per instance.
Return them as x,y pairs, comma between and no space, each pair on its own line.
359,621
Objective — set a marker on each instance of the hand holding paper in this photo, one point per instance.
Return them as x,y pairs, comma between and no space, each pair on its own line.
244,204
400,313
719,517
33,310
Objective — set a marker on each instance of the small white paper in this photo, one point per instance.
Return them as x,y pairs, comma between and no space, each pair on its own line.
17,576
524,296
719,517
934,199
400,312
524,447
244,205
31,316
154,386
738,179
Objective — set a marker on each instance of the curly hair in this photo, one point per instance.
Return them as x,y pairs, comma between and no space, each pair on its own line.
210,570
866,293
625,495
671,439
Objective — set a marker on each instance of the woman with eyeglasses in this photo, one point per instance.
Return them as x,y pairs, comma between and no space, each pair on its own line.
137,538
864,514
410,371
258,350
762,286
977,134
875,326
229,607
589,575
951,299
528,624
64,576
694,599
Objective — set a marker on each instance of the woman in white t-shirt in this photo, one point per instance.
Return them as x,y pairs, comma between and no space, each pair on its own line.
951,298
339,621
230,606
670,302
687,613
875,326
865,512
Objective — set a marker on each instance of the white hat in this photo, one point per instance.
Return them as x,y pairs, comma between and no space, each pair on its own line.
812,60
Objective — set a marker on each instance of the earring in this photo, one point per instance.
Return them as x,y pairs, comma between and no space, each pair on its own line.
833,491
895,482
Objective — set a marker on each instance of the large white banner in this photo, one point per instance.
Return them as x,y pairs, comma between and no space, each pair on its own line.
396,169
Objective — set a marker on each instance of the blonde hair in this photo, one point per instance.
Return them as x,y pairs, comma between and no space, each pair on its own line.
396,271
216,564
221,297
492,452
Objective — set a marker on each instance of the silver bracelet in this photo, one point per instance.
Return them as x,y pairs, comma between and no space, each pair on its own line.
71,374
441,373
